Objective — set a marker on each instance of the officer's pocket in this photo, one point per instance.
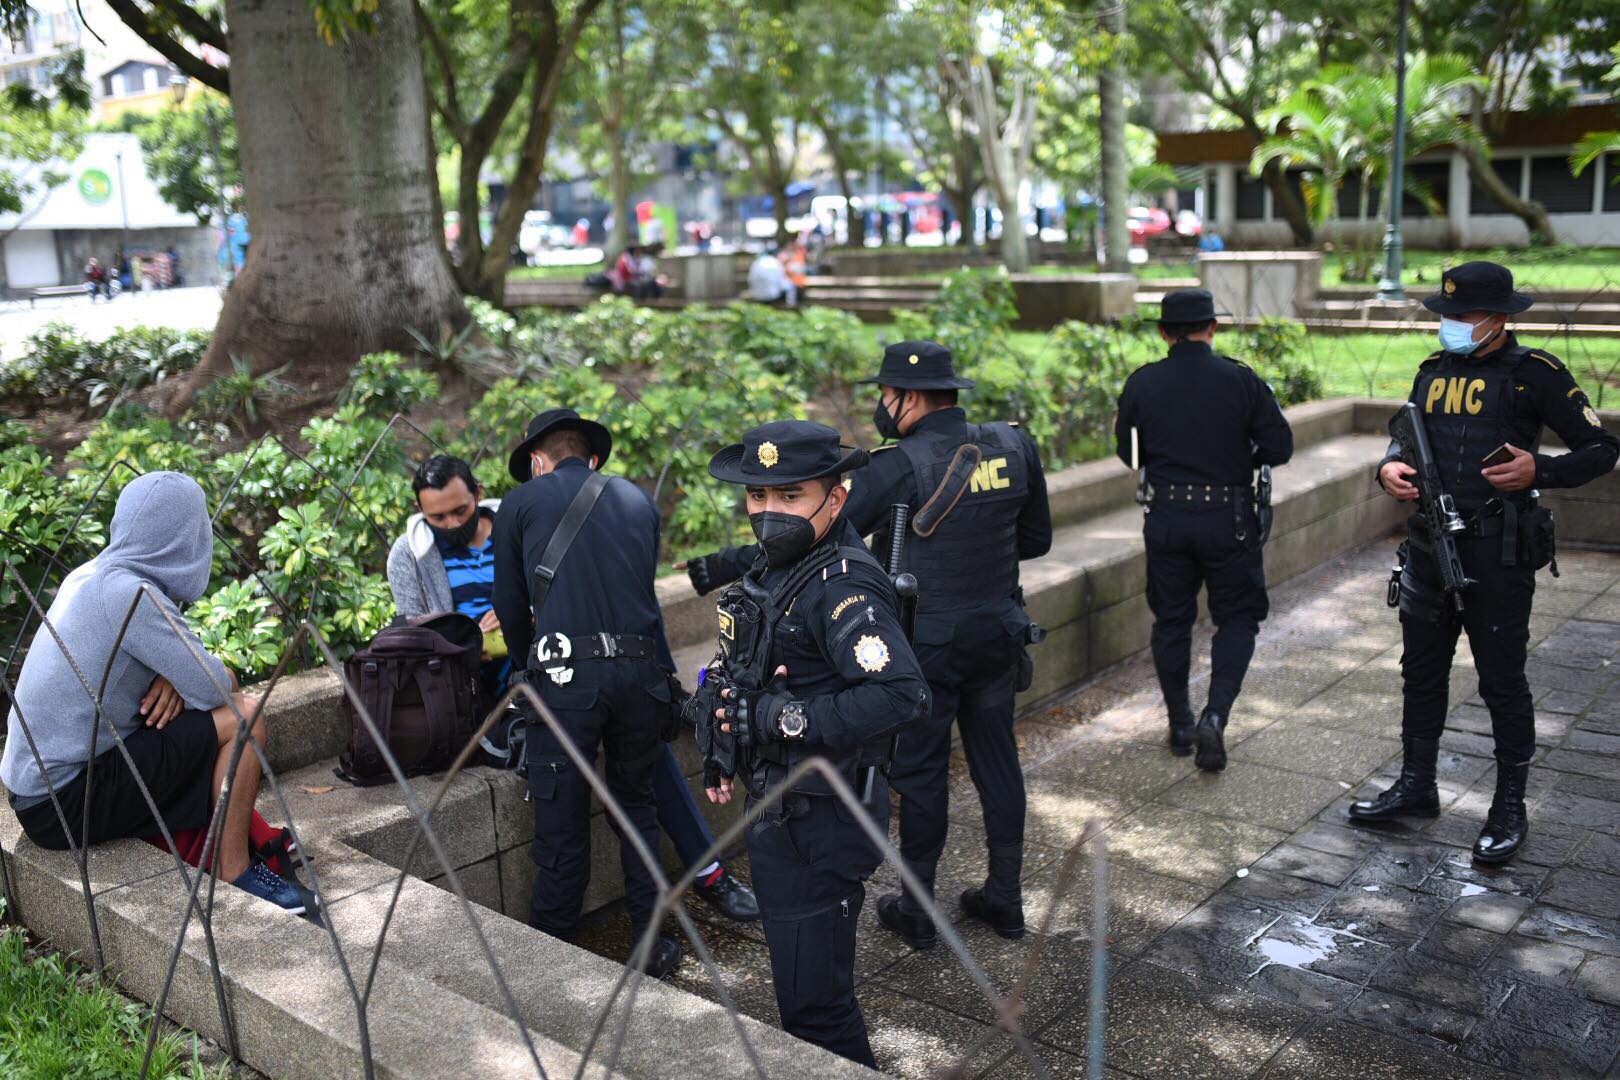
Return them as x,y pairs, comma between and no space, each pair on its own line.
1542,540
546,775
567,698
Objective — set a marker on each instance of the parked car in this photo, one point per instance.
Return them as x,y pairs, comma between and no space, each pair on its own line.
1144,222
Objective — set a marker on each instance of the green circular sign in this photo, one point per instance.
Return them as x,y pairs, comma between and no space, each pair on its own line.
95,186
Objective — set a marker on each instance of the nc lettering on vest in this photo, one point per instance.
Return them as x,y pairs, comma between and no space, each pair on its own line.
988,476
1455,396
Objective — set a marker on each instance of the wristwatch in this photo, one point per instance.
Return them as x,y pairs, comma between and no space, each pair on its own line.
791,720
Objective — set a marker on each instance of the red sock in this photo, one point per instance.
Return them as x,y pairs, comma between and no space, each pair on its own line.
714,877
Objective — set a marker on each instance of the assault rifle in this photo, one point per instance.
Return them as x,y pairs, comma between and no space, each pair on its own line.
1435,504
905,590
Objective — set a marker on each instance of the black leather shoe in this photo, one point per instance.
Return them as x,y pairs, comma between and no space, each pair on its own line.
1413,794
916,930
1181,733
1508,823
1211,745
1004,918
665,956
730,897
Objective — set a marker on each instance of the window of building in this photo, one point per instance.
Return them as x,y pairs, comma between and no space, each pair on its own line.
1611,185
1436,177
1251,198
115,84
1480,202
149,79
1350,199
1553,187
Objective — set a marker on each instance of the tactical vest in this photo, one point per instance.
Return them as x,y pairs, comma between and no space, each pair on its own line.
750,616
971,559
1467,407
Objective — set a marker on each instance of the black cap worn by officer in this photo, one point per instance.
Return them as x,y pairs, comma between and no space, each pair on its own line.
1480,391
977,495
816,603
1196,425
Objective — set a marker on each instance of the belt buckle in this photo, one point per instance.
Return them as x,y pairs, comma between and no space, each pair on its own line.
610,646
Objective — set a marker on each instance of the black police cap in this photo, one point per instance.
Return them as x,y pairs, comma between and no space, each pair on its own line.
919,365
1188,306
785,452
601,442
1477,286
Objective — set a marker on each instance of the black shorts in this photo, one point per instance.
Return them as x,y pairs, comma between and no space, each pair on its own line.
177,765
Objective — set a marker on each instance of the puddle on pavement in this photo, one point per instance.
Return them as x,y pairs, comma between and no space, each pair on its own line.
1298,946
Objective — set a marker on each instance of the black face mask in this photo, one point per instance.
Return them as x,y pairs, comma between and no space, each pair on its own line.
785,538
887,423
461,536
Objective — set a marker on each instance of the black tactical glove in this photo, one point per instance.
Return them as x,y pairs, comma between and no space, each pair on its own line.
754,714
701,571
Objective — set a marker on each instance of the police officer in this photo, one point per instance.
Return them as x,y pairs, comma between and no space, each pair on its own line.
813,663
1196,424
970,527
584,613
1483,395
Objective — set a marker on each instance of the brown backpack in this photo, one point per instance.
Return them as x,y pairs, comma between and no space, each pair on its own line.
419,683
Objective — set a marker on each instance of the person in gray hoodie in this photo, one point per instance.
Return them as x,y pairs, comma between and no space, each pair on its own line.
176,708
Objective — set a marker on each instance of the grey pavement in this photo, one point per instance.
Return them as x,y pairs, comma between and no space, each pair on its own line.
1253,931
180,309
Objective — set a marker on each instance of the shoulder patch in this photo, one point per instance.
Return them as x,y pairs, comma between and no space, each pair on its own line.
1547,358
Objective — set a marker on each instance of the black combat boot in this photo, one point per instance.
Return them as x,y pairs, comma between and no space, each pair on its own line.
1507,824
664,958
1414,794
1211,745
914,927
1000,902
1182,723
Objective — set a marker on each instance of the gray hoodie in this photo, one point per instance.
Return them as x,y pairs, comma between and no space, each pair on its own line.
416,573
160,553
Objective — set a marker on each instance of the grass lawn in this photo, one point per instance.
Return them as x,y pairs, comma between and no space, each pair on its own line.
1377,365
554,273
56,1021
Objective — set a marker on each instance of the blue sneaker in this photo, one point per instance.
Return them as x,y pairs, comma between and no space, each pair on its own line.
259,880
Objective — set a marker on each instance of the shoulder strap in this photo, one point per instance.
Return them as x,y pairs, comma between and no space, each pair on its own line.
578,510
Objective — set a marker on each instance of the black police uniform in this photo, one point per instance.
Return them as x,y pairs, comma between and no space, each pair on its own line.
830,618
971,630
1472,404
602,600
1204,422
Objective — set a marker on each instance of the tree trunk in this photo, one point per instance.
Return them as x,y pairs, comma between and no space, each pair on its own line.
1283,200
336,169
779,209
1532,213
618,192
1115,182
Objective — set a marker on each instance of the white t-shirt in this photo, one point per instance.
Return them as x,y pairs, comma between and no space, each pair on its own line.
767,279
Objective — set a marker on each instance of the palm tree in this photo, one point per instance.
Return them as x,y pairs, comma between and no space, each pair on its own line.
1593,145
1311,136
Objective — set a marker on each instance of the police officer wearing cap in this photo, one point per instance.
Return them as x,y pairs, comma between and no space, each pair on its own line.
1196,425
584,613
812,663
977,495
1483,395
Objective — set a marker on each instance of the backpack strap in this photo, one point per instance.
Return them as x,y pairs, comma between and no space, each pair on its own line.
572,520
439,702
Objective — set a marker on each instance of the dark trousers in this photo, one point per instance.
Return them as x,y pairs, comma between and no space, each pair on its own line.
971,679
1496,615
611,704
678,813
809,863
1187,549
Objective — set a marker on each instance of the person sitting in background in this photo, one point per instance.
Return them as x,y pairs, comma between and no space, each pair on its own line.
768,281
647,282
626,271
444,561
176,708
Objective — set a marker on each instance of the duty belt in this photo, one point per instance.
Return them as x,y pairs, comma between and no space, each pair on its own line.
555,653
1500,517
1199,493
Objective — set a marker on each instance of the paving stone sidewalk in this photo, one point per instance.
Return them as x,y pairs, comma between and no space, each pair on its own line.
1340,952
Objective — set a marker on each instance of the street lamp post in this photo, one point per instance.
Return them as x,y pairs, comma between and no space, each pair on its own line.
1390,287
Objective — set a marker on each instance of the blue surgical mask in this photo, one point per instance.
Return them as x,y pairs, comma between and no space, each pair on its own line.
1457,336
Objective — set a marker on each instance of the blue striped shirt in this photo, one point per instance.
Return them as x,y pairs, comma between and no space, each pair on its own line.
472,577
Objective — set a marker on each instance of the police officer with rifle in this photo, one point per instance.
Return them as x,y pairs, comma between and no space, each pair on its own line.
1467,448
976,495
812,662
1196,425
